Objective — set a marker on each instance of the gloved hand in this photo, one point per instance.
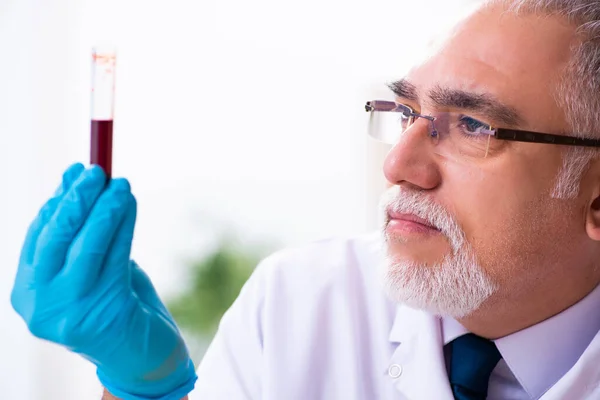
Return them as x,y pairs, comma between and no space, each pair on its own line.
76,286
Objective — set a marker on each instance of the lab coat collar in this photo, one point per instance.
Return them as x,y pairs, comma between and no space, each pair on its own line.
404,327
419,353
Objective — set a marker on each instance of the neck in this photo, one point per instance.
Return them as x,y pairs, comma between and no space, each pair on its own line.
501,315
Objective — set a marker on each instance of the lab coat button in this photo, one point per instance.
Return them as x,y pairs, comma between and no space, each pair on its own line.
395,371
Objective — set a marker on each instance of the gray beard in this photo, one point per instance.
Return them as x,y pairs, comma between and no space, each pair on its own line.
455,287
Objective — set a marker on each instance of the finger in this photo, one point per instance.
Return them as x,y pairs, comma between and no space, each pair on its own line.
146,293
119,252
47,210
56,236
111,216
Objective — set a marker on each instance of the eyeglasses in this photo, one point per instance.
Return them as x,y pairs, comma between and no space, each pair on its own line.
455,134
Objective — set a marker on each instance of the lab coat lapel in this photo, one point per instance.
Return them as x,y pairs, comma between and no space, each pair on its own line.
420,354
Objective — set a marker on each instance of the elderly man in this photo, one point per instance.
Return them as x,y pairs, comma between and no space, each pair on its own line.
484,283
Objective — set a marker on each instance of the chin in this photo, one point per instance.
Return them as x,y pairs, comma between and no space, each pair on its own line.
456,286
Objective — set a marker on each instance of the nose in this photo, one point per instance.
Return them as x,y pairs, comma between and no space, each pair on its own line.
411,161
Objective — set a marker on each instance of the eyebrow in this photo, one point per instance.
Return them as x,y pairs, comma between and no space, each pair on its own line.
484,104
403,88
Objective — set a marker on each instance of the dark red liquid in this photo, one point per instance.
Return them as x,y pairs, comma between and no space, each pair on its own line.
101,146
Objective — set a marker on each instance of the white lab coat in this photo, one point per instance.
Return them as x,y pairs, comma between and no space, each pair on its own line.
312,323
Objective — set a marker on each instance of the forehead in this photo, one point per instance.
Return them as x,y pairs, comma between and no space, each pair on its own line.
518,59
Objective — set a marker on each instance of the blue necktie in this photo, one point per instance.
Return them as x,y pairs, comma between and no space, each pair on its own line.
473,360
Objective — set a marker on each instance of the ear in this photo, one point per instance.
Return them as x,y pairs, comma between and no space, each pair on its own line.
592,218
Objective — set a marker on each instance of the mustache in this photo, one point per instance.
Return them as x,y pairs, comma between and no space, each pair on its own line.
401,200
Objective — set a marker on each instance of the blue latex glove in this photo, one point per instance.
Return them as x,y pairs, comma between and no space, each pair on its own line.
76,286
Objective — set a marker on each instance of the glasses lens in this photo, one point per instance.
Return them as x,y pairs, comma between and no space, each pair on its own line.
452,135
462,137
387,124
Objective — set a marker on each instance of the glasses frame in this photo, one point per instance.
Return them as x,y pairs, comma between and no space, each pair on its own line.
498,133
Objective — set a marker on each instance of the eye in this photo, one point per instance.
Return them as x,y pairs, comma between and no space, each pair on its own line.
473,127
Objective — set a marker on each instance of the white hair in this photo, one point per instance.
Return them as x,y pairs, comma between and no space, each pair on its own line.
578,91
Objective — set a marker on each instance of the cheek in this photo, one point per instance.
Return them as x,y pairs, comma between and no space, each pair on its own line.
530,243
511,222
484,201
501,191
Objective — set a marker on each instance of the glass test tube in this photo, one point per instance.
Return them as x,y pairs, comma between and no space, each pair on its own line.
102,113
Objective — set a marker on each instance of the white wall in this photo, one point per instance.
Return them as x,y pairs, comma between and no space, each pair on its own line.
247,110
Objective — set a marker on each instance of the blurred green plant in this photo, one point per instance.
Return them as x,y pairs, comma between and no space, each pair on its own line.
215,281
